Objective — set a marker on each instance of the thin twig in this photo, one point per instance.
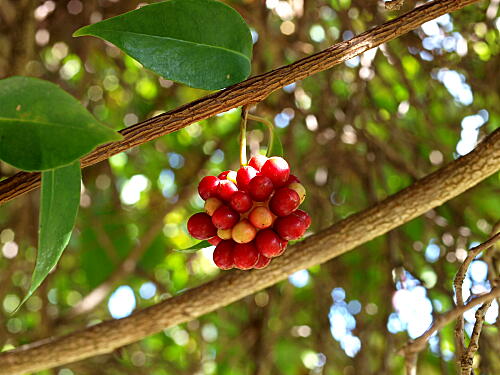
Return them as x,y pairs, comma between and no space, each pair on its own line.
467,358
458,283
442,320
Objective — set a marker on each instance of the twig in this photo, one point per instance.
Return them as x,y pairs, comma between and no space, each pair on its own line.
458,282
253,90
467,358
442,320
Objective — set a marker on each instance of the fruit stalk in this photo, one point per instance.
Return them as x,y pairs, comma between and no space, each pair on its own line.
243,135
270,129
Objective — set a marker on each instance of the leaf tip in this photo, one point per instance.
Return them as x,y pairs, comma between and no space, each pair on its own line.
82,31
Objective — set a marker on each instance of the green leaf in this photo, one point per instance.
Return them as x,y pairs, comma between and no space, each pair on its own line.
42,127
200,245
201,43
59,201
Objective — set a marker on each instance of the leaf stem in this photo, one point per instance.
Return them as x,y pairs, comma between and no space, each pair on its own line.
270,128
243,135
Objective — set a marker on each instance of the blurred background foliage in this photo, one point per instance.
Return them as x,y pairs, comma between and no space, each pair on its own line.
354,135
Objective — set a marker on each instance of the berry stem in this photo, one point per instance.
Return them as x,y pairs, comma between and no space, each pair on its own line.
270,128
243,135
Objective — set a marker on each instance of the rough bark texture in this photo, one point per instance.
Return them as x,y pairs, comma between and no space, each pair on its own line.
425,194
250,91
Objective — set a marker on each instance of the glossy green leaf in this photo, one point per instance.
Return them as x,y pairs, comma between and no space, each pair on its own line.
59,201
200,245
201,43
42,127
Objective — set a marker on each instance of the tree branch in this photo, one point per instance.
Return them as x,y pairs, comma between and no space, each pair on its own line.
253,90
425,194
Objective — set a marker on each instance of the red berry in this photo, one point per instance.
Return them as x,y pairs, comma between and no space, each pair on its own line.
208,187
223,175
224,255
291,179
214,240
260,188
241,201
269,243
245,174
245,256
261,217
277,170
200,226
304,216
226,189
225,217
244,232
257,161
284,201
211,204
290,227
263,262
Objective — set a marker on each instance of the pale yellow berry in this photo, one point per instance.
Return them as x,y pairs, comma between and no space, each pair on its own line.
261,217
231,176
225,234
211,204
244,232
299,189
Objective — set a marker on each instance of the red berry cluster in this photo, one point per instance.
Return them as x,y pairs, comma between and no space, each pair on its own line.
250,215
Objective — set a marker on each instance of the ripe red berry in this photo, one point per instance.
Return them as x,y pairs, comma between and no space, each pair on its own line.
200,226
304,216
277,170
226,190
214,240
290,227
245,256
241,202
291,179
208,187
257,161
223,175
245,174
225,217
260,188
224,255
211,204
269,243
244,232
284,202
263,262
261,217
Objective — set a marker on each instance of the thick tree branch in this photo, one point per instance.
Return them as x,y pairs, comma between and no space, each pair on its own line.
252,90
425,194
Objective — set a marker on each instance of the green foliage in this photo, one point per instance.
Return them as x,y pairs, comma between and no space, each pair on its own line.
198,246
201,43
59,201
43,127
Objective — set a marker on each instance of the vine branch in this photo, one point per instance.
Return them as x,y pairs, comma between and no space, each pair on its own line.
252,90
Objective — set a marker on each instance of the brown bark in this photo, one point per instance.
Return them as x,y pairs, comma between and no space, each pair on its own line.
250,91
423,195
